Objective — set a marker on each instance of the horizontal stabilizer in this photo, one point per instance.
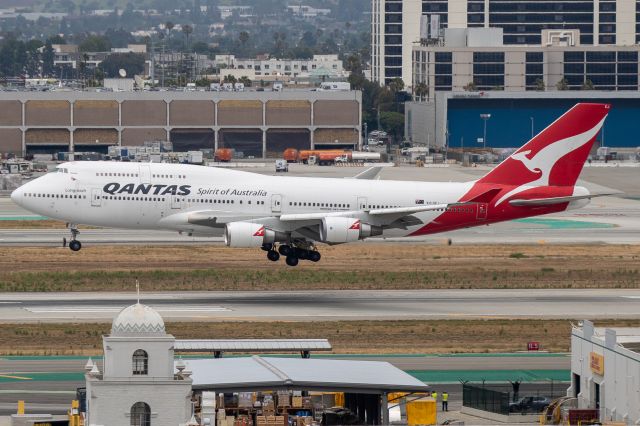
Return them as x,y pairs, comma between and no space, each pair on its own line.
556,200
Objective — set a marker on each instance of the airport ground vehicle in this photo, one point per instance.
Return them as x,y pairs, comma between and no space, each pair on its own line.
529,404
288,215
223,155
282,166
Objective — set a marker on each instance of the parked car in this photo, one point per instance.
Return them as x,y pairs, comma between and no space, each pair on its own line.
529,404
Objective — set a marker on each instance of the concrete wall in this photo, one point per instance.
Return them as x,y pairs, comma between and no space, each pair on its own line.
47,113
335,113
620,383
240,113
144,113
10,113
287,113
192,113
131,118
95,113
110,402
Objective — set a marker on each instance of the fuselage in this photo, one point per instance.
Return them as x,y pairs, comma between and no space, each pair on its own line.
161,196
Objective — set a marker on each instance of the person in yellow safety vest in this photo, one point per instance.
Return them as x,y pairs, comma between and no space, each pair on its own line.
434,395
445,401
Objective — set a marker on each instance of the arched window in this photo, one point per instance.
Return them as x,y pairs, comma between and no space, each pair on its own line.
140,363
140,414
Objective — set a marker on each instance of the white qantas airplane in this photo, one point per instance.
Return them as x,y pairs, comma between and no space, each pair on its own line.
288,215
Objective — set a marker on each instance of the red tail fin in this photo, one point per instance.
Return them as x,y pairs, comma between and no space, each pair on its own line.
556,155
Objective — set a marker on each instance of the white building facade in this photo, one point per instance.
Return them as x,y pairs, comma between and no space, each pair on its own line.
139,385
396,25
605,372
329,65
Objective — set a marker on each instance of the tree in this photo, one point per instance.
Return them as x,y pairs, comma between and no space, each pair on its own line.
245,80
421,90
132,63
244,38
229,79
539,85
187,30
396,85
393,123
588,85
470,87
562,84
95,43
47,59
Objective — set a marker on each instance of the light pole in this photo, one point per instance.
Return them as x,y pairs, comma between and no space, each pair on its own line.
531,118
485,118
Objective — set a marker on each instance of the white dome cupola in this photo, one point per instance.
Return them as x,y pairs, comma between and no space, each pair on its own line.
138,320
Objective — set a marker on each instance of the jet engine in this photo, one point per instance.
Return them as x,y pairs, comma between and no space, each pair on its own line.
346,229
247,234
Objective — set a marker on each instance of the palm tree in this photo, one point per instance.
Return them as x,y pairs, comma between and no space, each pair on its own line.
187,30
243,37
421,90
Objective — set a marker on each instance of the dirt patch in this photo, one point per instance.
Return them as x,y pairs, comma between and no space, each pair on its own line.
376,337
357,266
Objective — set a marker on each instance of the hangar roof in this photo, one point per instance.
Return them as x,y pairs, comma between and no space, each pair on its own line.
257,373
262,345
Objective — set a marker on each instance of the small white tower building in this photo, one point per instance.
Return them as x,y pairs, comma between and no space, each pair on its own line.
139,385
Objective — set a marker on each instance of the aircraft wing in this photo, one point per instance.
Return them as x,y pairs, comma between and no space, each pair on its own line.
208,218
381,215
397,217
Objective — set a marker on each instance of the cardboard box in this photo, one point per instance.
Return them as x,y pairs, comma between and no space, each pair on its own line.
296,402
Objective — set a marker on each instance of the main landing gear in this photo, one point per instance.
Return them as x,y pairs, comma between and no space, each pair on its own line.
74,244
292,253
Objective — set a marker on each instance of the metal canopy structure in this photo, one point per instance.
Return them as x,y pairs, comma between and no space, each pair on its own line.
304,346
256,373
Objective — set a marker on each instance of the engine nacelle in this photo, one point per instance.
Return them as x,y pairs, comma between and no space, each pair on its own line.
247,234
346,230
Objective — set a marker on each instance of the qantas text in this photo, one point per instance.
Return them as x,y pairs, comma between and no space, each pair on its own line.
144,188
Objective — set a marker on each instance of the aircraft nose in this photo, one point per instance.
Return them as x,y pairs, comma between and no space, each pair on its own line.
16,196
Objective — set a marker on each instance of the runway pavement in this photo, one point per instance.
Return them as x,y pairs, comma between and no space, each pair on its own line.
327,305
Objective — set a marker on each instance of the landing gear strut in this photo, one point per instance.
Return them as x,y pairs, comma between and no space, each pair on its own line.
74,244
292,253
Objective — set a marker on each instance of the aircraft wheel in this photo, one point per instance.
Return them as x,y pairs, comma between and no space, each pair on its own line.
284,250
314,256
75,245
273,255
267,247
301,253
292,261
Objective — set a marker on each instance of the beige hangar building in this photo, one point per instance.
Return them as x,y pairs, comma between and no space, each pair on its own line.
258,124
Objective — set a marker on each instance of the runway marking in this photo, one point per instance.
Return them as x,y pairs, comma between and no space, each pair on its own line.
8,303
4,376
115,309
631,297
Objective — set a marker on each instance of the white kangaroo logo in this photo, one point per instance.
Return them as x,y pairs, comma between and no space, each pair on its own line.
546,158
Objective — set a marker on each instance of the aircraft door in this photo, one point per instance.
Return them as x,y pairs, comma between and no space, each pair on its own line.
482,211
145,173
96,197
276,203
176,202
362,203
